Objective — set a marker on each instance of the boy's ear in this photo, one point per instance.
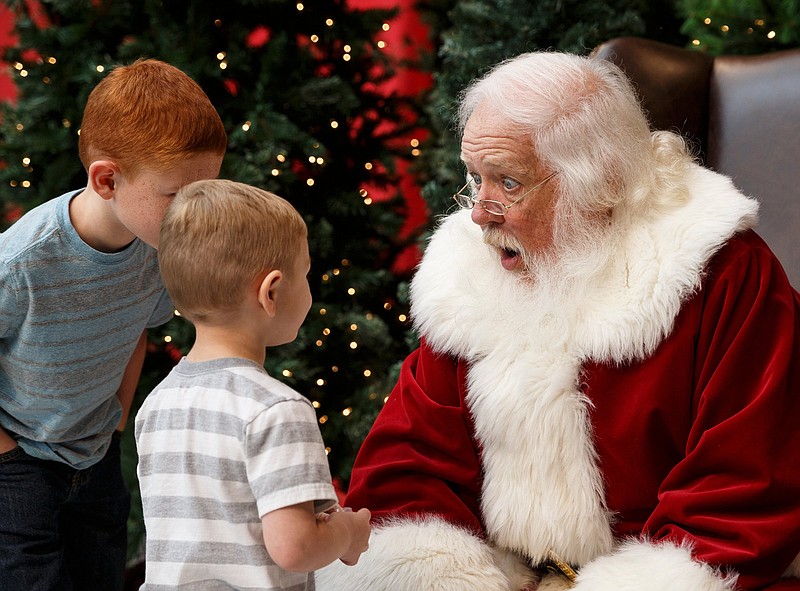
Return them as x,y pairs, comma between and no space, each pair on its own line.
267,291
103,178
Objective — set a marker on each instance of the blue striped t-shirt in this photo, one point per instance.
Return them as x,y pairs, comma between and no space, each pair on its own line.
70,318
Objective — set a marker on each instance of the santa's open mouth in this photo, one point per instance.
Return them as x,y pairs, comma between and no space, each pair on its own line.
506,247
509,258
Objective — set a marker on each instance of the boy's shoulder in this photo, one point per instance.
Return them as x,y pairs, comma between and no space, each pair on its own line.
240,378
34,226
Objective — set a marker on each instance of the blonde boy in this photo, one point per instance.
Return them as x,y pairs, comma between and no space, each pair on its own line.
79,287
232,467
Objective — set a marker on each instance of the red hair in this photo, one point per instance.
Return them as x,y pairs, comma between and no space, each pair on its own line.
148,115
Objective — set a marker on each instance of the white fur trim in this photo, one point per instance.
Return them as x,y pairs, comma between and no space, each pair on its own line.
535,498
430,555
663,260
655,567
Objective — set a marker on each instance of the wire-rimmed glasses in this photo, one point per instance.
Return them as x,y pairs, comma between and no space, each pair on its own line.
492,206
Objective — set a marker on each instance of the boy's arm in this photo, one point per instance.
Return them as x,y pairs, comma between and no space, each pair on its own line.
297,541
130,379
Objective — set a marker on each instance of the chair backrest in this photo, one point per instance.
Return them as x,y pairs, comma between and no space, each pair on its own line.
743,113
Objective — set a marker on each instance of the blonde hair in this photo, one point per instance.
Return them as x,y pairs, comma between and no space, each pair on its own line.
148,115
217,236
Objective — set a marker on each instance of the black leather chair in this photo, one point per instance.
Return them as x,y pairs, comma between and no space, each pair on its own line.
742,112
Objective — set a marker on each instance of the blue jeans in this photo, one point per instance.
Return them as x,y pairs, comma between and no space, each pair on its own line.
60,528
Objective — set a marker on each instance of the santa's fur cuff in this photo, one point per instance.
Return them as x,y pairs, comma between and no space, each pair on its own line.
429,555
656,567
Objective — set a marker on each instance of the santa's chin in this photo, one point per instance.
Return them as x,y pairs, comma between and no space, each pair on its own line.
510,260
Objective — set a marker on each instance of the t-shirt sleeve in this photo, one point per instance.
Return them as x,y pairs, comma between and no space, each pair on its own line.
286,460
163,311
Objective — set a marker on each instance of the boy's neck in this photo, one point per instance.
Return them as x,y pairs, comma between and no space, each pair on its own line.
93,221
217,342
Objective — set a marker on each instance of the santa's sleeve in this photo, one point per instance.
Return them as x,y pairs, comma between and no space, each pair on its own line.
728,514
418,472
419,456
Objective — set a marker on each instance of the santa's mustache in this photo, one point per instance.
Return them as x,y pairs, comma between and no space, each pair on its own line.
493,236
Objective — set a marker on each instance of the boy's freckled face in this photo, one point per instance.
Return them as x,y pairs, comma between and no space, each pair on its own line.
140,203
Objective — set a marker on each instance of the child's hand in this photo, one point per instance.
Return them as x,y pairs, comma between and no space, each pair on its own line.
359,527
326,515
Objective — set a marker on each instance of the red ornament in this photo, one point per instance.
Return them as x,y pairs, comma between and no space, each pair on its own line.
259,36
231,86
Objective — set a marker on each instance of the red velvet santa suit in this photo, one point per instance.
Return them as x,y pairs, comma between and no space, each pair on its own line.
645,428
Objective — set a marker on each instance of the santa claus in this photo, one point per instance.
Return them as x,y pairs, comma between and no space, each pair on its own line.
607,387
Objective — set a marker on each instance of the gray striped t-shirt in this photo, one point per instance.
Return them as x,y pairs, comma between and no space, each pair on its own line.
70,317
221,443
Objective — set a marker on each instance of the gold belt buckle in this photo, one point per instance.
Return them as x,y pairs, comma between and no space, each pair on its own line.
555,565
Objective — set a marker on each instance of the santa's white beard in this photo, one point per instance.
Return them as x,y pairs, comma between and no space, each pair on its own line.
579,251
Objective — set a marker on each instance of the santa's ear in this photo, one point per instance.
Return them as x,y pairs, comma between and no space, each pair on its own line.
103,178
268,291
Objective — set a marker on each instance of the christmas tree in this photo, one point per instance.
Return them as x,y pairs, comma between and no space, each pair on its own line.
299,89
741,27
